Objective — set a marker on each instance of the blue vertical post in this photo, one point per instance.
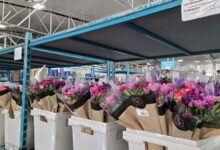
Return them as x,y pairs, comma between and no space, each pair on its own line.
25,82
113,70
93,72
9,74
108,69
127,71
61,72
49,72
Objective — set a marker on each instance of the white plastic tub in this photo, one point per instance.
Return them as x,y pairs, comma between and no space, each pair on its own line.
2,128
51,130
92,135
137,140
12,131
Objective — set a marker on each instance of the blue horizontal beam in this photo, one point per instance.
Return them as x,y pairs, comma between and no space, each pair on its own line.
141,11
122,51
156,38
10,49
67,55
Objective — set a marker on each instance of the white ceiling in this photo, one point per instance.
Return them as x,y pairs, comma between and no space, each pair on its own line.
89,9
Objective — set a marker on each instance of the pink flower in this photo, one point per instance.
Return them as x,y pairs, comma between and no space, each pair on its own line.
165,88
146,90
187,115
190,84
110,100
132,85
200,104
154,86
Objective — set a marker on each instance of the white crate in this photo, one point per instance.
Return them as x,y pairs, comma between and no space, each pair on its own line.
93,135
2,128
137,140
12,131
54,133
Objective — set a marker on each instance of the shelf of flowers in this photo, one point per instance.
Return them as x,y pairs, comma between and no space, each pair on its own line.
155,111
10,115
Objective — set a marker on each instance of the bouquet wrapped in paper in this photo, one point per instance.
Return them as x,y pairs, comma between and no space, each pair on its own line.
76,97
197,113
135,107
98,95
42,94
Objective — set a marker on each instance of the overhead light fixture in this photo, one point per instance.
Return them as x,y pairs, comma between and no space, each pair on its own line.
208,61
180,60
32,1
197,61
148,64
3,26
38,6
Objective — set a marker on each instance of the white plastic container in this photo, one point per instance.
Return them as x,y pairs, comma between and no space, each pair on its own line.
12,131
2,128
51,130
137,139
92,135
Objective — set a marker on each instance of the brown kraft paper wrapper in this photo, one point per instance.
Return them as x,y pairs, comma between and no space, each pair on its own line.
149,121
180,127
97,114
48,103
209,132
5,100
15,106
180,133
84,111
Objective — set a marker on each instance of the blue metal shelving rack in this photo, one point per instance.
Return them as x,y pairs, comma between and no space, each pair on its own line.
151,31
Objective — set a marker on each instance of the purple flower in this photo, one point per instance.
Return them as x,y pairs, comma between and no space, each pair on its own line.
200,104
210,100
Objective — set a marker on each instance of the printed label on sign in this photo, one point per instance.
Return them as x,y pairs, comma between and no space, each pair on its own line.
168,64
194,9
142,112
18,53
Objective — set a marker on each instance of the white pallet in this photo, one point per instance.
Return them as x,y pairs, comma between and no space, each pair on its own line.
12,131
102,136
137,140
2,128
54,134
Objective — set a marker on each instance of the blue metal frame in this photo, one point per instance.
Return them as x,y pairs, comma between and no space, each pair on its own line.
156,38
128,71
106,47
25,82
141,11
67,55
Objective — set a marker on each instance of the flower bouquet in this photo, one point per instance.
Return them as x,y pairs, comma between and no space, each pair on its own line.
42,94
135,107
197,111
76,97
98,95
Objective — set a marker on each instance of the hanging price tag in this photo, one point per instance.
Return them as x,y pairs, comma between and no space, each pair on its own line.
18,53
142,112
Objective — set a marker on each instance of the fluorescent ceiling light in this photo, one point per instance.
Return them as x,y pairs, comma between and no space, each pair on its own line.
31,1
148,64
197,61
180,60
38,6
208,61
2,26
